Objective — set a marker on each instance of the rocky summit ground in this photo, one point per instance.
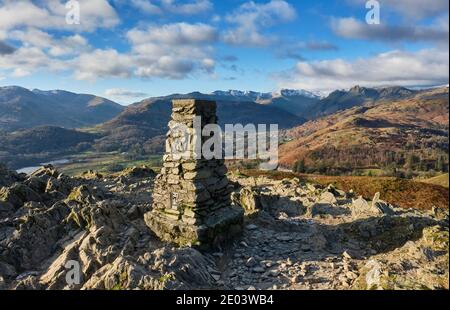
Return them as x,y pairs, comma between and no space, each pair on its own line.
296,236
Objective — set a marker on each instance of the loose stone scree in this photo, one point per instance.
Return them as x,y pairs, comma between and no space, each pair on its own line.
191,197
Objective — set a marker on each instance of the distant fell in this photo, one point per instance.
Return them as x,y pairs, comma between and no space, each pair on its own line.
21,108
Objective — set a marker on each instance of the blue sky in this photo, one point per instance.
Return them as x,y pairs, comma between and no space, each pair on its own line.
129,50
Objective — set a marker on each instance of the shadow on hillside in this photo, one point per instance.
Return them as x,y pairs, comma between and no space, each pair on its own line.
362,237
325,208
311,242
382,234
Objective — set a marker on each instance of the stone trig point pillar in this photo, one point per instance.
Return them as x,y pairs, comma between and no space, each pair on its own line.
191,196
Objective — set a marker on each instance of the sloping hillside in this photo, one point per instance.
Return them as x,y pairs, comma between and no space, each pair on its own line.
145,123
32,146
140,129
357,96
400,192
21,108
413,129
441,180
292,102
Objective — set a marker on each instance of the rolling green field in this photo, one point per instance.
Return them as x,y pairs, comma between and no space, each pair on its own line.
106,163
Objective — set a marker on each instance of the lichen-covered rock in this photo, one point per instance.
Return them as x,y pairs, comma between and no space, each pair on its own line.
162,269
18,194
35,237
293,241
8,177
138,172
372,277
362,208
409,265
46,172
85,195
328,197
249,200
91,175
5,208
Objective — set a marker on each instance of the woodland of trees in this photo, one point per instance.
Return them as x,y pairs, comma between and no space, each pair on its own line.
404,164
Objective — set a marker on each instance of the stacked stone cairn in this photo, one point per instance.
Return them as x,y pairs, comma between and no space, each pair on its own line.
192,195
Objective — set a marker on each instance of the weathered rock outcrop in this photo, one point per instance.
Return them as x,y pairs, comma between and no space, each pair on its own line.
296,236
8,177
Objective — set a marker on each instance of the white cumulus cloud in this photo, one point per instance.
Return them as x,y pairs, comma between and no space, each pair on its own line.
171,51
413,9
66,45
192,7
354,29
102,64
28,59
397,67
174,34
124,94
251,18
51,14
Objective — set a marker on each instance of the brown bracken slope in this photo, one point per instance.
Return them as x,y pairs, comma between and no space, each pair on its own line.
399,192
364,136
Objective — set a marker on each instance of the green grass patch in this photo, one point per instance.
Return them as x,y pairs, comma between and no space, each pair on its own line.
106,162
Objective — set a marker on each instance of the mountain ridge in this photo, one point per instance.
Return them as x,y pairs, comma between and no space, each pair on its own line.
302,103
390,131
21,108
142,126
141,122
